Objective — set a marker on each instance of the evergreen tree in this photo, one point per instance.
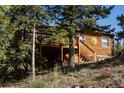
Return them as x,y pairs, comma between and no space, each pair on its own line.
120,34
120,20
70,18
5,37
16,22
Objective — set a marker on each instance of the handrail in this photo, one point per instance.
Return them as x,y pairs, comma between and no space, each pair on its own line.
91,50
86,54
88,47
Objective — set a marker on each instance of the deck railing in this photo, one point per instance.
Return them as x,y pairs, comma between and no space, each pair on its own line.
86,51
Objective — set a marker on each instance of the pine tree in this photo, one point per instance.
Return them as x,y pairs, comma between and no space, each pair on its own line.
121,24
71,18
16,22
120,34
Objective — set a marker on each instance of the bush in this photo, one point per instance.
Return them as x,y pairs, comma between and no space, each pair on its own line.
118,50
106,72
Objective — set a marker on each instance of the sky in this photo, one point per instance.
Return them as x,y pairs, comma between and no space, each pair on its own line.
111,19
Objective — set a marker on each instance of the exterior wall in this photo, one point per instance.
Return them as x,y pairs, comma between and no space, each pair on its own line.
98,48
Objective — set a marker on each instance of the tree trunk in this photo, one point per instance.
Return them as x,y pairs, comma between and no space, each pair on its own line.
71,64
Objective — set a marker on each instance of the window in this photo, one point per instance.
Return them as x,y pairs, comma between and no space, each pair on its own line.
82,37
105,41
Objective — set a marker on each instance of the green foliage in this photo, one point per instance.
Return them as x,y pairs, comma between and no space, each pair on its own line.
70,18
118,49
15,22
2,55
58,37
120,20
24,50
73,17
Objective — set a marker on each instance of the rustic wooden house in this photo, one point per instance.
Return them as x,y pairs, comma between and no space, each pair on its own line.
92,46
89,47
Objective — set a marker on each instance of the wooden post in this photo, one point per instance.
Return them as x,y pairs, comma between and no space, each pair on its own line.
78,50
95,57
33,55
61,54
114,54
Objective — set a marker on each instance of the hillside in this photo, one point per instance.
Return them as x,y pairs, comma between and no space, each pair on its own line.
107,73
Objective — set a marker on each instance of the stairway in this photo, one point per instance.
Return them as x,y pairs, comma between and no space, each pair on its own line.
86,53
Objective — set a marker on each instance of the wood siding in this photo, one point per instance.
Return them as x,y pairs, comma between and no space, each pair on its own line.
98,48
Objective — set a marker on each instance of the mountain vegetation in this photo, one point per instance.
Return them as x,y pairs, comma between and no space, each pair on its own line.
16,24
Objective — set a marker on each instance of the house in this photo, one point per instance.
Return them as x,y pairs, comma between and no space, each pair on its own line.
90,46
93,46
96,45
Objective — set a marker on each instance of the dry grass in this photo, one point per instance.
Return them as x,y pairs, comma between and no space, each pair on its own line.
105,74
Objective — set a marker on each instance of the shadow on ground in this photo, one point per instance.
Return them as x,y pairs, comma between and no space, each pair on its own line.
111,62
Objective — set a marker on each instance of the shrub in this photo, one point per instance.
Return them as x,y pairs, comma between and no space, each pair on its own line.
106,72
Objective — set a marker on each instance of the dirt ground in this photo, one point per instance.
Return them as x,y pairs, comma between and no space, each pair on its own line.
104,74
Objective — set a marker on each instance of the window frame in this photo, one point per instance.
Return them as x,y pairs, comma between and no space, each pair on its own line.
108,41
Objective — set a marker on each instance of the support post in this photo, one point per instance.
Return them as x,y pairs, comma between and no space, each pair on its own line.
61,53
95,57
33,55
78,50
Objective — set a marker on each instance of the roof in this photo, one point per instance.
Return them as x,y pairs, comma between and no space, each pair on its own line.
97,32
